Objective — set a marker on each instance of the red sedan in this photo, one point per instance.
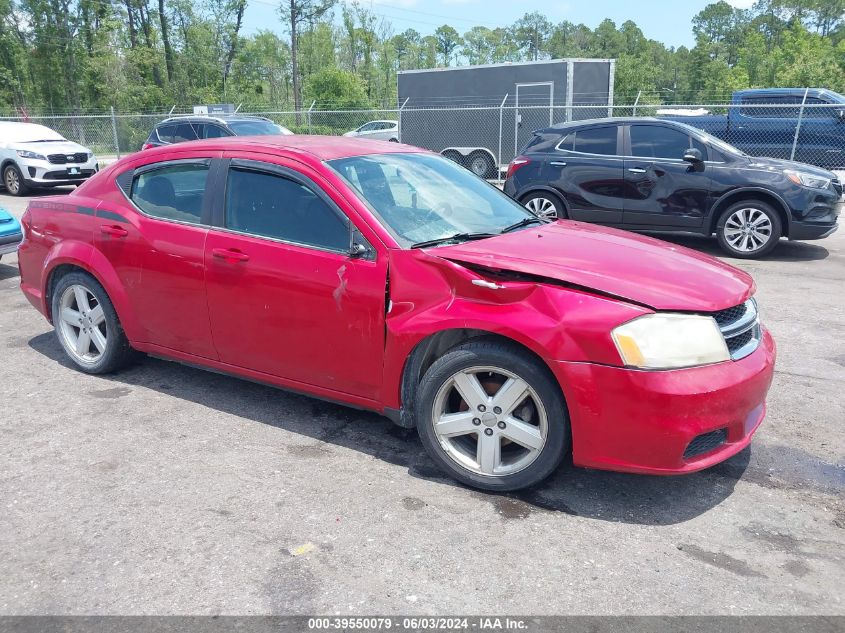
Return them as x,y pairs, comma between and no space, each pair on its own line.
388,278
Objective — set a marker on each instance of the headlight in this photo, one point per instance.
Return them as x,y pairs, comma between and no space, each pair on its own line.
27,154
807,180
670,341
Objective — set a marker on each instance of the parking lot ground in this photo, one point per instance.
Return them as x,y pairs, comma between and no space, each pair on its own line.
170,490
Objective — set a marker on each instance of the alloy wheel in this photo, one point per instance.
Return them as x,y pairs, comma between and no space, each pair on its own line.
748,229
542,207
478,166
12,181
489,421
82,324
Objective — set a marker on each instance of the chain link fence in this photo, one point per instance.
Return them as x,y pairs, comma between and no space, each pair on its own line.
488,137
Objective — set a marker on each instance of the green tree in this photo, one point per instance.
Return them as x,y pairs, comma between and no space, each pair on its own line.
447,42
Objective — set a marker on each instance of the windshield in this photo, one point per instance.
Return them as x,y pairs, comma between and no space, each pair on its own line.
254,128
421,197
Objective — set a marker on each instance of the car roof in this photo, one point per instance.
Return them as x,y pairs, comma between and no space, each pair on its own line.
319,147
205,118
568,125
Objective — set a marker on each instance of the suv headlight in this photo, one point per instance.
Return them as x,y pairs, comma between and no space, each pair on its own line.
807,180
23,153
670,341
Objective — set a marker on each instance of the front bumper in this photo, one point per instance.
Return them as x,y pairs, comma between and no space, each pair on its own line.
42,173
644,421
9,242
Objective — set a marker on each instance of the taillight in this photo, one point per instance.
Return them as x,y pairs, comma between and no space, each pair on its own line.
516,164
147,146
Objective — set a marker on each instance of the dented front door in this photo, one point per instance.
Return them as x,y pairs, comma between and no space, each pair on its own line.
302,313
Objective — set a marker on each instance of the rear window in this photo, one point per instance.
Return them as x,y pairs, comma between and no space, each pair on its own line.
597,140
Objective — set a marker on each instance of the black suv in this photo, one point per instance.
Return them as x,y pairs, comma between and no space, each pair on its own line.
653,175
179,129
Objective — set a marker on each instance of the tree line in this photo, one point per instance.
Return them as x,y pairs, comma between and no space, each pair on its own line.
141,55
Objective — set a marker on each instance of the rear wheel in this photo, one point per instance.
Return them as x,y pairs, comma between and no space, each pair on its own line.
492,417
13,181
545,205
748,229
87,326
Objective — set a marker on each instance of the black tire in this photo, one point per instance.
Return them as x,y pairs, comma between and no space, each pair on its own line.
13,181
393,140
536,198
117,353
490,353
480,164
730,220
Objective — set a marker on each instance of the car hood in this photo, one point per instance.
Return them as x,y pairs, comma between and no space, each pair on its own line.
51,147
640,269
777,164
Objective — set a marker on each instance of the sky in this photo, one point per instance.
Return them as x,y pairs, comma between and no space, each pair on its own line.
667,21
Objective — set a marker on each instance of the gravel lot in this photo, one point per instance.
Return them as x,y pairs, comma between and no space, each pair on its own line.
170,490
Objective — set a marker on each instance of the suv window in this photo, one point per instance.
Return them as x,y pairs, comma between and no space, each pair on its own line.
657,141
215,131
187,132
597,140
790,105
165,133
173,192
273,206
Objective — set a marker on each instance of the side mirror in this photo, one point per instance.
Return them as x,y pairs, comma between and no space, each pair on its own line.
693,155
358,250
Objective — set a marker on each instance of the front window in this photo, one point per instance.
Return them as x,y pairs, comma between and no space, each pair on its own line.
255,128
421,197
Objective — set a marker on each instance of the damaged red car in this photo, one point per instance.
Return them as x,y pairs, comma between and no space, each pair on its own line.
388,278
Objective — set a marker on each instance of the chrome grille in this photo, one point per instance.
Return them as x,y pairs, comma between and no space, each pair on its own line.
740,326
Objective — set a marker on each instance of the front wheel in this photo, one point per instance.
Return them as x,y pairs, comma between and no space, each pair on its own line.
491,416
748,229
13,181
87,325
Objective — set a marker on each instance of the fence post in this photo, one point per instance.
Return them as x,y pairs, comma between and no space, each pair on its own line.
636,101
499,157
311,107
114,133
798,125
399,125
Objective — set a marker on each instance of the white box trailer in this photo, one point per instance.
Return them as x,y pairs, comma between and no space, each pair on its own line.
481,116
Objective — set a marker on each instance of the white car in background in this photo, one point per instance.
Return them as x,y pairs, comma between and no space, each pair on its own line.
33,156
379,130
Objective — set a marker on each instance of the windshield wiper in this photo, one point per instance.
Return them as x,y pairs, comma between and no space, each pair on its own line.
457,237
521,223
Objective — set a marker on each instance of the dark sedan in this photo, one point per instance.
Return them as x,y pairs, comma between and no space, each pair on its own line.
654,175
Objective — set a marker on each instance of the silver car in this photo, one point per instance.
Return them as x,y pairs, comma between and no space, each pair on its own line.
379,130
34,156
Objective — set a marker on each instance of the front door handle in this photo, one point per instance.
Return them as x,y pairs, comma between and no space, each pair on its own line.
636,170
114,231
230,254
558,163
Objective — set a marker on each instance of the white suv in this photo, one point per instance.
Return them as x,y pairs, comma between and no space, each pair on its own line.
33,156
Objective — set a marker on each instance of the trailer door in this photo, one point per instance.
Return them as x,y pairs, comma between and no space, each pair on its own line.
534,110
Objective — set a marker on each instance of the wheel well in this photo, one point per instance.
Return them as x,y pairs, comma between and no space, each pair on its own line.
759,196
6,162
57,273
433,347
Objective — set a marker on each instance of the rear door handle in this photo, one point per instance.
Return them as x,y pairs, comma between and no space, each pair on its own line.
636,170
114,231
558,163
230,254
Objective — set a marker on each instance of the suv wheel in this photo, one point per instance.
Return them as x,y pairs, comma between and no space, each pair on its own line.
748,229
492,417
545,205
87,326
13,181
